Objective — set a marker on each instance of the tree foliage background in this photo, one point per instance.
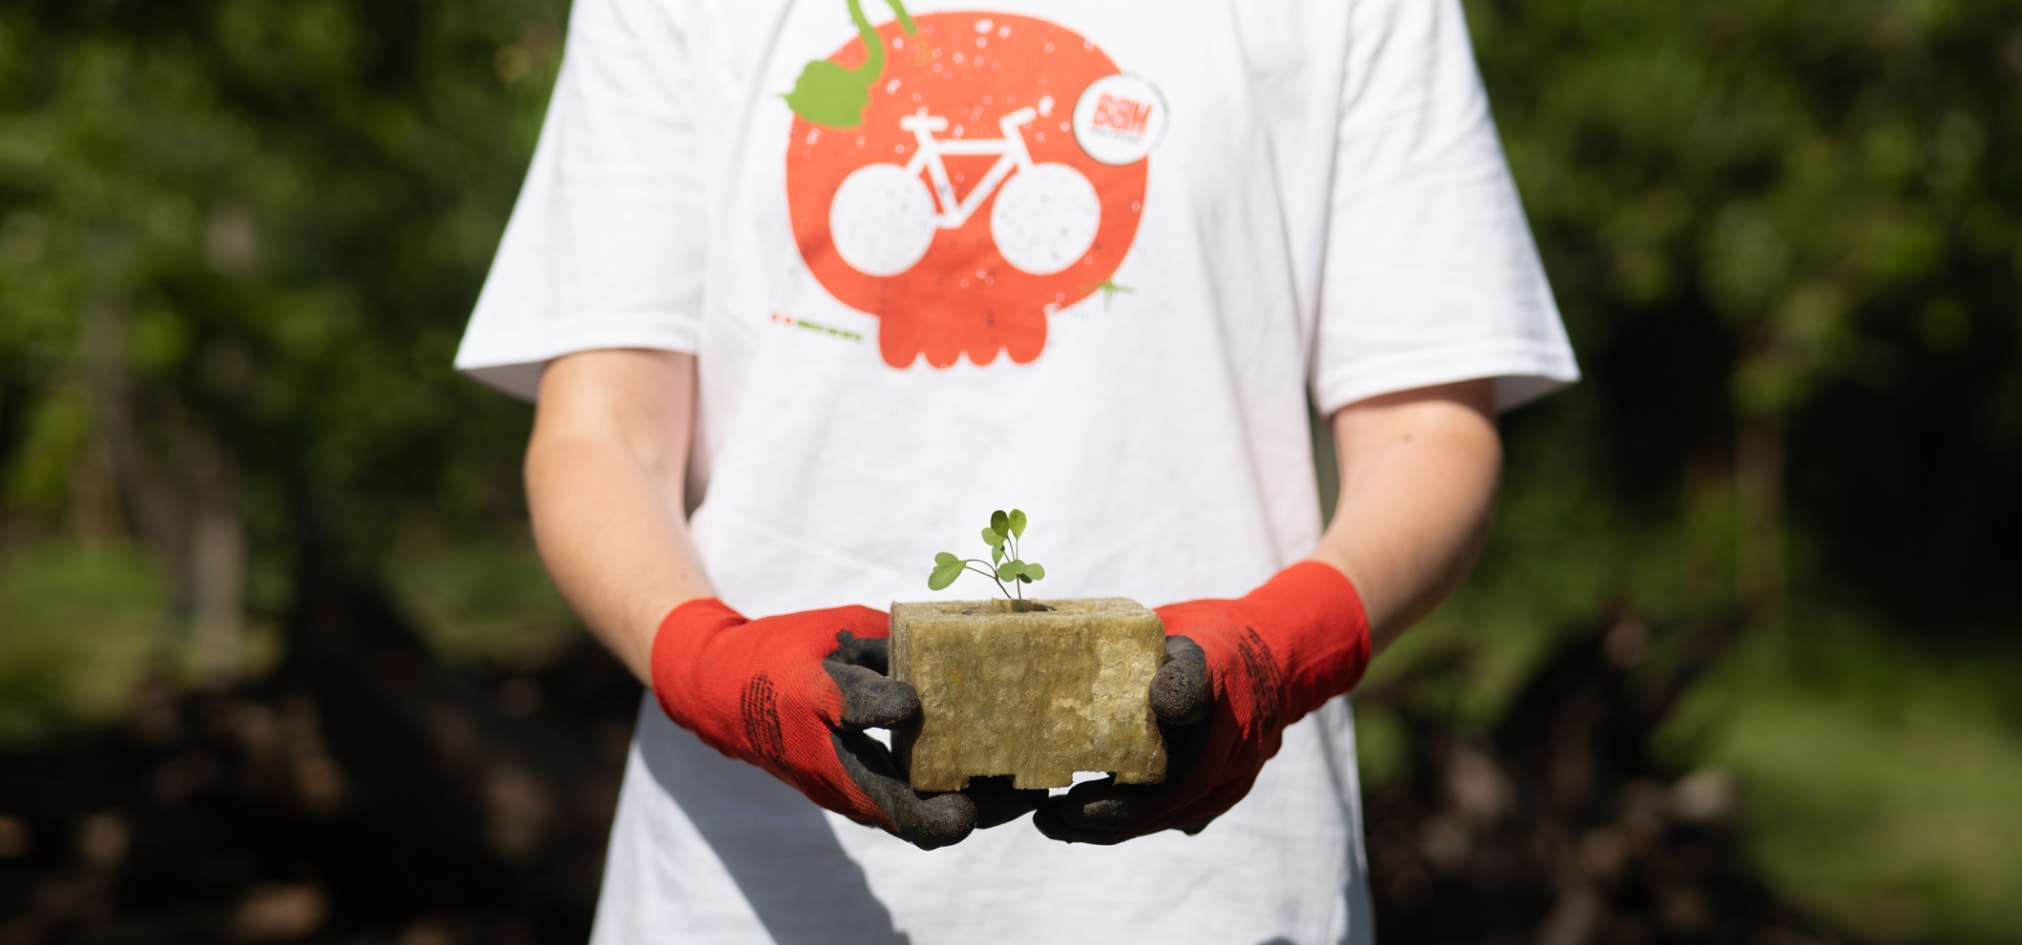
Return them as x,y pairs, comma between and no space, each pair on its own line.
238,239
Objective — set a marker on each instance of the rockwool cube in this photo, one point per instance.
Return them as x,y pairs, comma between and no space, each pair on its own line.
1033,691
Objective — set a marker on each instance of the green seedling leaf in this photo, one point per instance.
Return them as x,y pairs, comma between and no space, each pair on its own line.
1004,566
947,568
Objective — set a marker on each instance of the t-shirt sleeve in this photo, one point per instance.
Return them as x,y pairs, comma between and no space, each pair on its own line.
1429,275
604,248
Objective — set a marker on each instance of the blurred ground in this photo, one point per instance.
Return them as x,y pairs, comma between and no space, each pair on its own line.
364,788
361,790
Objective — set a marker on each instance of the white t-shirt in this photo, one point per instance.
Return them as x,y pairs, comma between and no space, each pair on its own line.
1085,257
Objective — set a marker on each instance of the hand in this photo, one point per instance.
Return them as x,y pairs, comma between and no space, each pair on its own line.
1238,672
793,694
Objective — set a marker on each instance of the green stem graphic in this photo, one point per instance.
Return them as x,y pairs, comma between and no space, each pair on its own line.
874,51
1109,289
905,19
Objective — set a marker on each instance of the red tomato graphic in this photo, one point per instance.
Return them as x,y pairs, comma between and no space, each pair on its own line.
961,211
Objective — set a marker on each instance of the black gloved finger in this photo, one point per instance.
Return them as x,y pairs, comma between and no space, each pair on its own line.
1179,690
1108,806
1047,818
873,654
1185,746
926,821
1050,823
1112,813
997,802
872,699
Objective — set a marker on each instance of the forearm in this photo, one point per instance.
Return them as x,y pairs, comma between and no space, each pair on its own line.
1418,482
604,488
1418,478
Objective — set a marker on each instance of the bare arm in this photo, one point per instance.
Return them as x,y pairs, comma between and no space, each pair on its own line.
1418,481
605,479
1418,478
605,473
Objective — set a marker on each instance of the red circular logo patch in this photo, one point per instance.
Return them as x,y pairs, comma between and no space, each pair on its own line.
959,208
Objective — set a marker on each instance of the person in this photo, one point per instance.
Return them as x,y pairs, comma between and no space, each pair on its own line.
802,294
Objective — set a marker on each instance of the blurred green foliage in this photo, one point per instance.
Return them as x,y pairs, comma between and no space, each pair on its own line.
79,625
261,224
1881,781
1788,244
238,240
483,603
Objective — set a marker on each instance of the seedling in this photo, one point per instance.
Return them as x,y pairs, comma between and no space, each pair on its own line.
1002,536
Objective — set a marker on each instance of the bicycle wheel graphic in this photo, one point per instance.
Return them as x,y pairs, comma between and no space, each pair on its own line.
881,220
1046,217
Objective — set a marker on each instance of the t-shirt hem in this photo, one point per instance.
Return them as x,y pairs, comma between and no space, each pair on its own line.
1522,373
515,367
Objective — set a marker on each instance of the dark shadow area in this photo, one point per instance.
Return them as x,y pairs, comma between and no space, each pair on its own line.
1560,824
362,792
366,792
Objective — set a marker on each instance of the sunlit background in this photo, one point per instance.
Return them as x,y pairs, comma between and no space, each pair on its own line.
278,662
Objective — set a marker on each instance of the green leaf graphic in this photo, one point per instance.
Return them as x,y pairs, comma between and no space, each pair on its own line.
829,95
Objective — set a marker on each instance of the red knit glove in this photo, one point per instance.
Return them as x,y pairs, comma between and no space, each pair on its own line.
792,694
1239,672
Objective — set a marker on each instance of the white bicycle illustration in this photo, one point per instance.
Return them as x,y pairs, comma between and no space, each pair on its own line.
884,217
